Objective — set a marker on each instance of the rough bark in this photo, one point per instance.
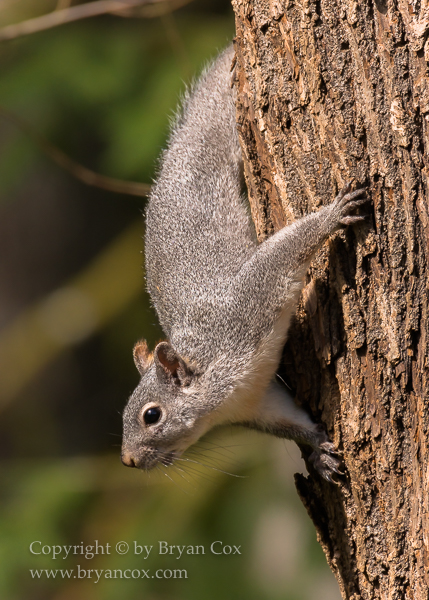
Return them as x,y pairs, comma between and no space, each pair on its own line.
330,90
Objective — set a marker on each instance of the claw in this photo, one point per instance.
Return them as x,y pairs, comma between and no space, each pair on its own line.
346,188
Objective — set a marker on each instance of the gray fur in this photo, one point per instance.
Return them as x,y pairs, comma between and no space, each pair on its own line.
223,301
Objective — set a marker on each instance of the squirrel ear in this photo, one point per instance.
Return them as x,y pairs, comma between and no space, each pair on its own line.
171,365
142,357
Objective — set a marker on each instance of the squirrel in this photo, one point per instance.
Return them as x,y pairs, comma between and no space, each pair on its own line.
224,301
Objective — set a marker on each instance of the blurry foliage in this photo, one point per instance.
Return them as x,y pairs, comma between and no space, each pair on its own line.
103,90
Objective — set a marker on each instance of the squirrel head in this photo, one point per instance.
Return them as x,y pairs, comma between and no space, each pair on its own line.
160,418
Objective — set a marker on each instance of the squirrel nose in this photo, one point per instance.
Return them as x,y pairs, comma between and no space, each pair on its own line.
127,459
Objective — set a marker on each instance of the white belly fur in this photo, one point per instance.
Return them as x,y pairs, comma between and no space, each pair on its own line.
244,403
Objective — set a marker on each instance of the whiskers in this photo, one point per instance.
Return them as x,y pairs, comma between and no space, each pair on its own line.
284,382
202,461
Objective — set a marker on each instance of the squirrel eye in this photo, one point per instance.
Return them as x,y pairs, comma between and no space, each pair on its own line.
152,415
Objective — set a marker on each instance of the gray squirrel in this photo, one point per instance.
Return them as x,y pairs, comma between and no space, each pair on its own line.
223,300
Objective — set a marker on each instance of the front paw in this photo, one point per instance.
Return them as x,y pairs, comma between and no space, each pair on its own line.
325,459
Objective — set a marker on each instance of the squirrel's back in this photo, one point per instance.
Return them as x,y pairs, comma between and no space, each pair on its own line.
198,232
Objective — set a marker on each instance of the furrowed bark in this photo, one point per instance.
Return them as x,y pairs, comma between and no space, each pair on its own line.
330,90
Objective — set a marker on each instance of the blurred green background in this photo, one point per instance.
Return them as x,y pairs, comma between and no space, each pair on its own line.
72,304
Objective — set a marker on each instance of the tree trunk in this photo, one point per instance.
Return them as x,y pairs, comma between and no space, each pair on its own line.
330,90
